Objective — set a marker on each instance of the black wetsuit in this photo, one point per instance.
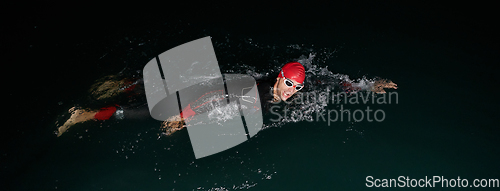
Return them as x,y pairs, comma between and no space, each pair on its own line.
201,104
265,87
207,100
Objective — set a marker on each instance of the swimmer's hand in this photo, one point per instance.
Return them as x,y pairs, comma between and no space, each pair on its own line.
172,124
379,85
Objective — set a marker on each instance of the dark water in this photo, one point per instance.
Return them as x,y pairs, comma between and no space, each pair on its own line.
441,57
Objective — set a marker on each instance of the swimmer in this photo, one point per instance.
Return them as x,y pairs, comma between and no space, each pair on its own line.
289,81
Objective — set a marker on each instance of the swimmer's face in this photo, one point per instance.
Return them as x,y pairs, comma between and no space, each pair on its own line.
283,90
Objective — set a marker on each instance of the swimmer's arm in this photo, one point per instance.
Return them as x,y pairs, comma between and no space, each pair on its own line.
376,87
172,124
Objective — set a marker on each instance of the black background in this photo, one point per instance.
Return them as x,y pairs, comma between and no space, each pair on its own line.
37,38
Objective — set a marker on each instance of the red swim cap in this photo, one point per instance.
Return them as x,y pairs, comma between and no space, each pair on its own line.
294,71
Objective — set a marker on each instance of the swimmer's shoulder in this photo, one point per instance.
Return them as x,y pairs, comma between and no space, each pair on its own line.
265,82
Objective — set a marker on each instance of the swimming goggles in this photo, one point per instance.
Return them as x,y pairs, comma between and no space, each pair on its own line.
289,83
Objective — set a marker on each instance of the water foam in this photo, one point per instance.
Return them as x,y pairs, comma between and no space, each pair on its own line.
316,61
